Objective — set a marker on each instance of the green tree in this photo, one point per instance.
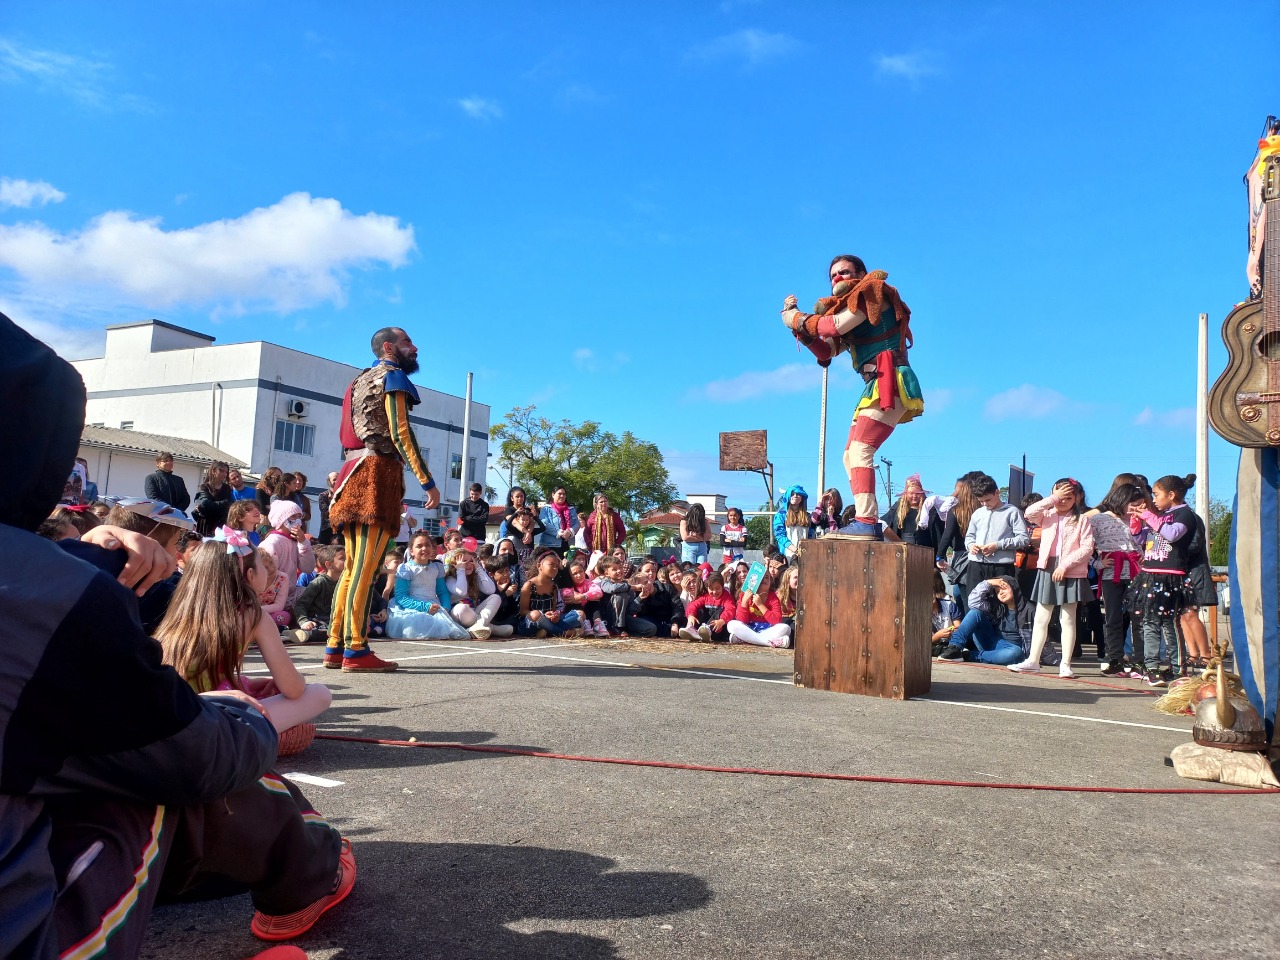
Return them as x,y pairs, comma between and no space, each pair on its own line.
760,529
585,460
1219,532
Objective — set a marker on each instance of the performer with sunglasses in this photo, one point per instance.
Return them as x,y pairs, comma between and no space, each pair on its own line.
865,317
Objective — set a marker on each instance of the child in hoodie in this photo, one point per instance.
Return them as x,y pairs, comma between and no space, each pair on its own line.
289,547
792,523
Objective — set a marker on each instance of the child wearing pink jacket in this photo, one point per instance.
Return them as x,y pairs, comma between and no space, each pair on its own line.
1062,577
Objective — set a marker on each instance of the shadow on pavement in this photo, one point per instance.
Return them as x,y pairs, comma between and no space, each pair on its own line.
452,900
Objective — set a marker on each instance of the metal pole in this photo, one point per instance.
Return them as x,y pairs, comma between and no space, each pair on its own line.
1202,437
822,439
466,439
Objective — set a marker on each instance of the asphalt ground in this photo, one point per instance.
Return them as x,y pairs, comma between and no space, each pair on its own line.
476,855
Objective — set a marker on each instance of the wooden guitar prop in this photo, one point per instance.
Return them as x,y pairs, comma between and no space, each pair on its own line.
1244,403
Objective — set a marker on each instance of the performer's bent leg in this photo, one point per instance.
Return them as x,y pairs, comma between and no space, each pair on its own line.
366,546
871,428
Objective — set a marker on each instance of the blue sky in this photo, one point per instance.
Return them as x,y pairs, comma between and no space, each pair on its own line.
598,208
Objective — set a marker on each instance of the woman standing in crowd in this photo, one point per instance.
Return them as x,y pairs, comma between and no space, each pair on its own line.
267,488
213,499
695,535
559,522
604,529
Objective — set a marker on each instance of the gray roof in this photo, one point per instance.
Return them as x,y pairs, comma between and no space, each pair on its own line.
197,451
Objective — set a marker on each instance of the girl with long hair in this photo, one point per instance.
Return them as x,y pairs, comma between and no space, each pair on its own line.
419,609
758,618
1118,564
213,618
733,535
830,509
695,535
476,602
792,522
213,499
1062,577
267,487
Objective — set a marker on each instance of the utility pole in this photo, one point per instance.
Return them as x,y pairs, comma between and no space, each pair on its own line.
888,479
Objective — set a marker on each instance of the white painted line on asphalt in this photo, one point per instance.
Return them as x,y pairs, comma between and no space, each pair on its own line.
312,781
1042,713
460,652
642,666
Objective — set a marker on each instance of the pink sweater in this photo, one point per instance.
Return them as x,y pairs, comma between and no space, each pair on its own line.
1068,537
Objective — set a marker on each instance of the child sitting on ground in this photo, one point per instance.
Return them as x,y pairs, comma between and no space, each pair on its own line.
619,596
505,589
420,608
273,596
758,618
542,609
586,597
315,603
475,599
214,617
290,547
709,614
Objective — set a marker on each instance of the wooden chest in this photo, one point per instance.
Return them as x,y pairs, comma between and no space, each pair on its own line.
863,617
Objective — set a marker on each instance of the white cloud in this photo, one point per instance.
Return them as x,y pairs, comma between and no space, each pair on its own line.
752,45
1029,402
480,108
296,253
28,193
1181,418
937,399
87,81
584,358
906,66
581,93
789,378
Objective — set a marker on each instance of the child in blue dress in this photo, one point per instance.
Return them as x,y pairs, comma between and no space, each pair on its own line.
420,608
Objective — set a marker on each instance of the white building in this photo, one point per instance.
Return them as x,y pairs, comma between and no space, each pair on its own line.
263,404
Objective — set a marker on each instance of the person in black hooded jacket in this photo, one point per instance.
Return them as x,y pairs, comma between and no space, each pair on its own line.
991,631
118,783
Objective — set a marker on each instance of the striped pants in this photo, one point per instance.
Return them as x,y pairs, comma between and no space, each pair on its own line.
366,545
870,429
114,859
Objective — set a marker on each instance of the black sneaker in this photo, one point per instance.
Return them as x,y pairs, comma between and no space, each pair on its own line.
952,654
1114,668
1157,680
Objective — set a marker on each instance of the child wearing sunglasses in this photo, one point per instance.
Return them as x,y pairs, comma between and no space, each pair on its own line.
288,546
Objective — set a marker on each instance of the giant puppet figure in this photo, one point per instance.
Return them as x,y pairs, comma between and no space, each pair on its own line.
1244,407
866,318
377,444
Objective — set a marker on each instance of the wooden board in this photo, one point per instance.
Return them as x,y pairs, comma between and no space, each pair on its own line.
744,450
863,617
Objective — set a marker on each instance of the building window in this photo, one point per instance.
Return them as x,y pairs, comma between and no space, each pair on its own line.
295,437
471,470
126,424
455,466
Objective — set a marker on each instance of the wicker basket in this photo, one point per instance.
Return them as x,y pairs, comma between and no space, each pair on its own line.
296,739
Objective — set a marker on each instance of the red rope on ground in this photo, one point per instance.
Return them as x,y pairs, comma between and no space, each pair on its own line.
763,772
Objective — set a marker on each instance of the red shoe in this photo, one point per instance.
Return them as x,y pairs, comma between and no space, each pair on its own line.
281,953
333,661
266,927
368,663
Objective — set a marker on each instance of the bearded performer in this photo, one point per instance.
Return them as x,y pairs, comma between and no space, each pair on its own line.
377,444
865,317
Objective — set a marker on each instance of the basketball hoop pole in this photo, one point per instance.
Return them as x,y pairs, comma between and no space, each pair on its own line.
822,438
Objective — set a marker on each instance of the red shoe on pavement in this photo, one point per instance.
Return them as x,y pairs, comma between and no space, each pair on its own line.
333,661
368,663
266,927
281,953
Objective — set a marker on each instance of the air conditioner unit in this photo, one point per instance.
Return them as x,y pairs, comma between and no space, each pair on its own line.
297,409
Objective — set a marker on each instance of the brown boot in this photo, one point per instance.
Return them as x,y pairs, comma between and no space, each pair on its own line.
368,663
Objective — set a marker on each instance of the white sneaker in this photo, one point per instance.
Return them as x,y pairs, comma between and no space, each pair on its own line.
687,634
480,631
1066,673
704,633
601,629
587,629
1026,666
